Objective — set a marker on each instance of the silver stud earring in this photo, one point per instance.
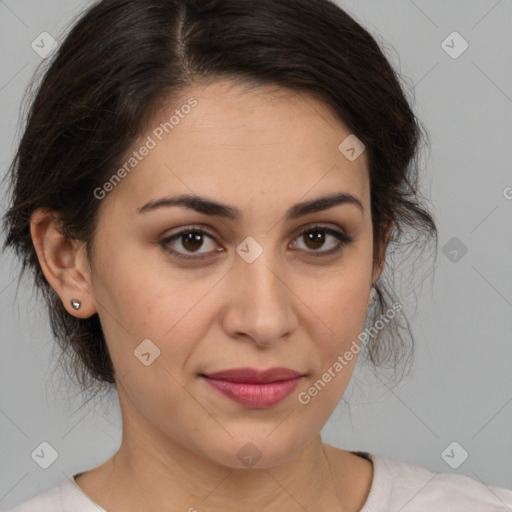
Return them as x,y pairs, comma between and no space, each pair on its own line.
75,303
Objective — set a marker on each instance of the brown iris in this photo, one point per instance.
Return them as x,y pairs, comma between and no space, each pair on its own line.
192,241
317,238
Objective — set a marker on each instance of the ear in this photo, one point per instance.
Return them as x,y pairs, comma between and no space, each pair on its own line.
63,261
379,267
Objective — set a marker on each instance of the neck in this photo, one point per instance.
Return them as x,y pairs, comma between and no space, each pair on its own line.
142,476
190,481
152,471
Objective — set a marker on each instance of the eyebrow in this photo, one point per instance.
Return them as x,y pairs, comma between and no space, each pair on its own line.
209,207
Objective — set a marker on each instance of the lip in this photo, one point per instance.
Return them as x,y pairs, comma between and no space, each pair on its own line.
253,388
254,376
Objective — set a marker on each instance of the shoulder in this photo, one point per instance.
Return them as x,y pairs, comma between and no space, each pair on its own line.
48,500
66,497
413,488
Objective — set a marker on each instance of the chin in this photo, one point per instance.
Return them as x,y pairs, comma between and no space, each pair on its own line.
255,451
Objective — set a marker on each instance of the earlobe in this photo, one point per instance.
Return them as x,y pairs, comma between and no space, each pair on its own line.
372,296
64,263
382,254
379,267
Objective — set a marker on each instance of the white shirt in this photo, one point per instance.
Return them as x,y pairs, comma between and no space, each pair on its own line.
396,486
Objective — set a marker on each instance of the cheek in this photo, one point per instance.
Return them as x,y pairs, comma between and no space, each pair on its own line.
343,309
342,306
138,302
340,301
160,395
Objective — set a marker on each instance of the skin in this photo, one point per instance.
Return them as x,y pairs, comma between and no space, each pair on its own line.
260,151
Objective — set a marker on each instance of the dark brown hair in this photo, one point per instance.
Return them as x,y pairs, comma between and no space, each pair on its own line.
123,58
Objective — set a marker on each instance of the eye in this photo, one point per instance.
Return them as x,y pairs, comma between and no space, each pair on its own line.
315,237
190,240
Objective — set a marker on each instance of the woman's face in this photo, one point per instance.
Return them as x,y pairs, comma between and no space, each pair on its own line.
256,292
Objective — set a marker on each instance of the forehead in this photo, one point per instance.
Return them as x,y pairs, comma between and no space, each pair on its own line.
245,144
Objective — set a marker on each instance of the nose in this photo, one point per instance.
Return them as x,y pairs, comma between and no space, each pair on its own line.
260,304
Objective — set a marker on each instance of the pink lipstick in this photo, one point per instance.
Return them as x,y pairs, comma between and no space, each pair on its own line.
255,389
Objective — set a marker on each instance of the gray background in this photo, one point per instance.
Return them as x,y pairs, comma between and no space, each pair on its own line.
460,388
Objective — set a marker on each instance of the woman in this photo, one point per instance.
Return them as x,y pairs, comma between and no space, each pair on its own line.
206,192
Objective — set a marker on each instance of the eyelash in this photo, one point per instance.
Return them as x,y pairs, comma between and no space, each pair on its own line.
342,241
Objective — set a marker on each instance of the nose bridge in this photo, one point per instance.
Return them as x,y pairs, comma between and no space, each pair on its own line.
262,304
262,278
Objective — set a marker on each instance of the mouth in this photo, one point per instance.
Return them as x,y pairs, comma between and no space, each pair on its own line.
252,388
